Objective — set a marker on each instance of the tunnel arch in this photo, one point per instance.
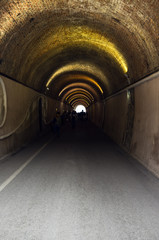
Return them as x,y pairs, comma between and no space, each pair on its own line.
73,86
79,72
80,101
103,47
77,90
78,97
116,22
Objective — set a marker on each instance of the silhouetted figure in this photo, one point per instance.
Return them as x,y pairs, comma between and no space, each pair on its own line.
82,114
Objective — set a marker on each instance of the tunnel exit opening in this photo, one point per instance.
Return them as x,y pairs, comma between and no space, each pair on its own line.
80,108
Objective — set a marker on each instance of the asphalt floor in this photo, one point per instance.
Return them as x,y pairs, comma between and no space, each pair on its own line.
77,186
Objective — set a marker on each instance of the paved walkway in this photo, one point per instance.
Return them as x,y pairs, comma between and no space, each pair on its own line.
79,186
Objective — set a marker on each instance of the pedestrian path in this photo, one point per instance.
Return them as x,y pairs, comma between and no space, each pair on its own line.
78,186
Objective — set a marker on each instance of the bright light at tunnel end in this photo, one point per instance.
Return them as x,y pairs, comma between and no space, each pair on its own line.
80,108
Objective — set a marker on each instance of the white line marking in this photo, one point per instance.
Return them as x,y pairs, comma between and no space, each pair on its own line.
11,178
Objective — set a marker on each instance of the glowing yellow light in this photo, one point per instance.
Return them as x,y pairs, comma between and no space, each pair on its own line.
81,92
83,36
79,97
81,85
67,35
77,90
80,101
83,67
84,77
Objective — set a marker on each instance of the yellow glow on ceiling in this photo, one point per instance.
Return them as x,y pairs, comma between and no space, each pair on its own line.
75,99
78,89
81,92
75,34
82,67
84,77
80,101
83,36
80,85
79,96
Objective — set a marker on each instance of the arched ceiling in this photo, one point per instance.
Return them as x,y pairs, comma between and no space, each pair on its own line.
100,46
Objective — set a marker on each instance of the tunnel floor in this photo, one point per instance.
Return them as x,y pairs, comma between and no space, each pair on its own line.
79,186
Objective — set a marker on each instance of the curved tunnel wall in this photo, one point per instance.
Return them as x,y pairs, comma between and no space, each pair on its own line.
119,38
99,46
111,115
133,125
22,119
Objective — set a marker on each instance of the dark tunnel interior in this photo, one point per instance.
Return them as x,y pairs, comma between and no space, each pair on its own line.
101,54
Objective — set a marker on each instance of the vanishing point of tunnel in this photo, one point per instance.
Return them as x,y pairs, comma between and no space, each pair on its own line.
91,175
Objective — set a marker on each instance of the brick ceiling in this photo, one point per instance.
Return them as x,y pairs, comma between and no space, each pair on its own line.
113,42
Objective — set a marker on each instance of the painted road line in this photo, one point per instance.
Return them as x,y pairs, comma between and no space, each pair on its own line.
19,170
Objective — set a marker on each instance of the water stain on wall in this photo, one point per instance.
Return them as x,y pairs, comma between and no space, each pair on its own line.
155,151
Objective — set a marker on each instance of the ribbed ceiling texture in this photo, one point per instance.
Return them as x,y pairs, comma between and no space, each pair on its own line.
92,47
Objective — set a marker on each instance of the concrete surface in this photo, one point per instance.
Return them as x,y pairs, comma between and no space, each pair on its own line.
145,140
135,128
22,119
81,186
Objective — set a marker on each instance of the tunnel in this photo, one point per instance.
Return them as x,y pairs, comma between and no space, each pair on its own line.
55,56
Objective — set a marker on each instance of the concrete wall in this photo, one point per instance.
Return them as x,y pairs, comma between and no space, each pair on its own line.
145,139
132,121
96,113
22,120
116,117
111,116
